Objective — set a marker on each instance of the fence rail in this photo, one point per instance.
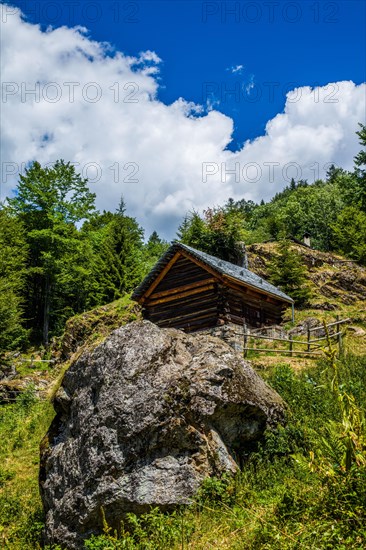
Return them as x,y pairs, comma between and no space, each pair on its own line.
312,345
338,322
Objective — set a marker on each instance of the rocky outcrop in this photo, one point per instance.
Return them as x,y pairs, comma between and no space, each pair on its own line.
331,276
141,421
10,390
306,324
7,371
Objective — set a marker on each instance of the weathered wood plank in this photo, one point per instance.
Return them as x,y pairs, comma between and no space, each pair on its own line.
181,295
187,306
232,281
204,293
235,299
180,300
181,288
201,324
171,281
203,265
160,276
196,300
190,315
185,323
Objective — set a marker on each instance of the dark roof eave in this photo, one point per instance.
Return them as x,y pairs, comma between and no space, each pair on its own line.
267,292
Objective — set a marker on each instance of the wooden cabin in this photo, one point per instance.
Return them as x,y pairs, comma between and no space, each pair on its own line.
191,290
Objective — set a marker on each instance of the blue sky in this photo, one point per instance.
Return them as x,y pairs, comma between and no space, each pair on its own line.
281,45
232,98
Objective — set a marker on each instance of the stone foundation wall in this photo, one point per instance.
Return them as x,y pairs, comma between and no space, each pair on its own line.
234,334
229,333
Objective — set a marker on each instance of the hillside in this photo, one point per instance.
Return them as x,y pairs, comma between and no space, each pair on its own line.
337,283
275,503
338,287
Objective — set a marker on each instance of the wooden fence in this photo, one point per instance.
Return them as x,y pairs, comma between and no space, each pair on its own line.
312,346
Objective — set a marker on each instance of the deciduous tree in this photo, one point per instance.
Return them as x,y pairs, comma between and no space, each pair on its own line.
49,202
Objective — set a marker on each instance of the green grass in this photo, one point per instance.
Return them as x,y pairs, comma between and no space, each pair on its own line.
281,500
278,501
22,426
292,493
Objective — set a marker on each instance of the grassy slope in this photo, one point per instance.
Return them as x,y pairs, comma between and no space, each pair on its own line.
275,503
24,423
22,426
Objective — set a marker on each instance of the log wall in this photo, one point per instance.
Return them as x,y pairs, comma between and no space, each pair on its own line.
190,298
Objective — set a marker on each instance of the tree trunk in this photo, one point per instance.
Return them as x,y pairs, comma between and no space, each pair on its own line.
46,311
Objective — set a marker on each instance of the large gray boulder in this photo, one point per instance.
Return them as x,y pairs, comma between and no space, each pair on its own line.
141,421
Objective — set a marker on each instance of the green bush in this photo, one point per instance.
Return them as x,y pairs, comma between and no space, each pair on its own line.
27,398
216,491
153,530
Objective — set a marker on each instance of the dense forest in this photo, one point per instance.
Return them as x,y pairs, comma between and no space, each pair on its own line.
332,211
60,256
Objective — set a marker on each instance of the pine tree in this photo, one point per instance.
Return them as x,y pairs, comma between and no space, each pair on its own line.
218,232
193,232
118,257
349,234
287,271
360,169
154,248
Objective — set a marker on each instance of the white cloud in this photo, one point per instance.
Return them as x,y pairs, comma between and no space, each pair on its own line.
250,84
236,69
99,108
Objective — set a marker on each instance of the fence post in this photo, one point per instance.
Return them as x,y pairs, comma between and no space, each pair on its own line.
245,340
309,345
340,345
290,341
339,337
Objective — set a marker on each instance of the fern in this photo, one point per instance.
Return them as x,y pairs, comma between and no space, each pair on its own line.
343,446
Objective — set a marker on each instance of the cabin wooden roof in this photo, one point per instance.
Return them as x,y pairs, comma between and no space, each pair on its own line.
243,276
